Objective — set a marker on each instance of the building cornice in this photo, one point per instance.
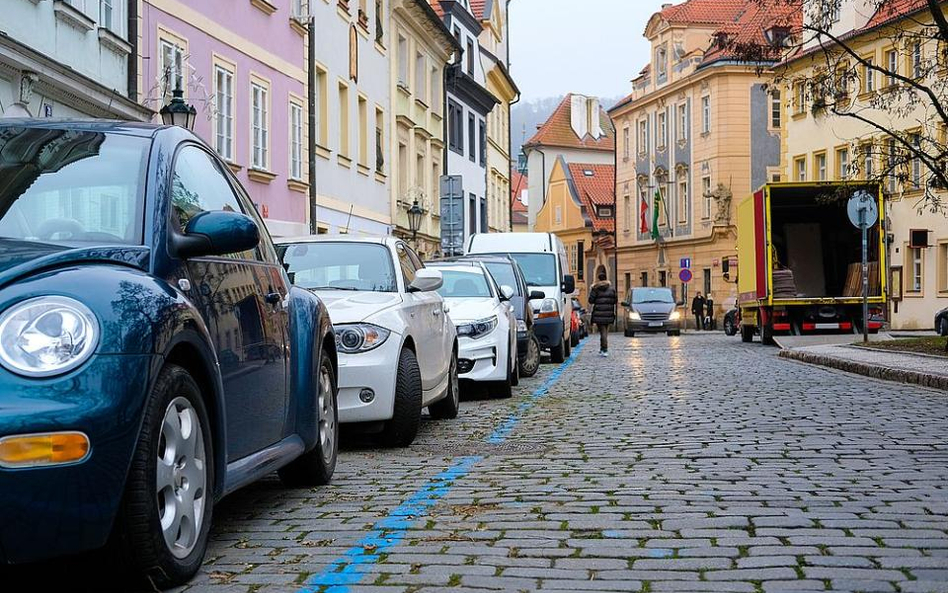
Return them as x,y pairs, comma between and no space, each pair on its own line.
426,21
463,85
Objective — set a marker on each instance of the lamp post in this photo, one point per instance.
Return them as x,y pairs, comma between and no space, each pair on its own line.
414,219
177,112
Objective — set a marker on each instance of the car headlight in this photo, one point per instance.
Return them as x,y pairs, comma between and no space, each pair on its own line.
359,337
548,308
634,316
675,316
521,326
47,336
477,329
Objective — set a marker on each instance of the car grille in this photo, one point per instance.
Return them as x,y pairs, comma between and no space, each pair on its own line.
654,316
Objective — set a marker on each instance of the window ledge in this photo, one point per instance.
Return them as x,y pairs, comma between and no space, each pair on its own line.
234,167
404,88
113,42
799,115
363,169
342,9
344,161
380,177
323,152
297,185
265,6
299,27
72,16
260,175
421,103
380,48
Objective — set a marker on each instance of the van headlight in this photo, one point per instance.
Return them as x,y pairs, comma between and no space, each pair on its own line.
634,316
521,326
675,316
548,308
47,336
477,329
359,337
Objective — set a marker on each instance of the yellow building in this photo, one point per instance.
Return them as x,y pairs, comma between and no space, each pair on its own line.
820,146
697,133
421,49
579,209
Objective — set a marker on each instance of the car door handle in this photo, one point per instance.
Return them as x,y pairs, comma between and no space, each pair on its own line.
436,312
273,298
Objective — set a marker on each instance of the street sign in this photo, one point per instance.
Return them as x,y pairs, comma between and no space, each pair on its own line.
685,263
452,215
685,275
863,213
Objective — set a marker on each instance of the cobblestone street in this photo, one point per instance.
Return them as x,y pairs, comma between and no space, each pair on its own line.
677,464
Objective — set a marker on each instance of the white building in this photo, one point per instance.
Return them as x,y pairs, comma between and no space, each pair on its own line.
353,167
468,105
70,58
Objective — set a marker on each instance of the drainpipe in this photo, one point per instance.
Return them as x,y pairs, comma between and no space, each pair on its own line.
132,38
311,124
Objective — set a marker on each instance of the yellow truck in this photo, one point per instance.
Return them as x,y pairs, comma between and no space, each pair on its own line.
800,261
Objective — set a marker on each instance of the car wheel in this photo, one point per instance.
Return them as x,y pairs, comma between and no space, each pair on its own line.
505,387
315,467
943,326
401,430
673,333
515,367
531,362
557,352
629,333
568,345
747,334
729,329
574,339
447,408
162,524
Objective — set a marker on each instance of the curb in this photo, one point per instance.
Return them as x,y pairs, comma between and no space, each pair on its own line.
868,370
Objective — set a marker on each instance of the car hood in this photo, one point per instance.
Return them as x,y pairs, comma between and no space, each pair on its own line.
473,309
653,307
20,258
354,307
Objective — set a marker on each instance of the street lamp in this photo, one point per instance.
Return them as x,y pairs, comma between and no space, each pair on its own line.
414,219
177,112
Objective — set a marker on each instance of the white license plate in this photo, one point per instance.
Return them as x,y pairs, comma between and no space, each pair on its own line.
655,324
827,326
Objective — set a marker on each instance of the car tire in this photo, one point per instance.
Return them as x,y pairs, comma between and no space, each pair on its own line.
674,333
729,329
747,334
138,537
447,408
515,381
504,388
629,333
316,466
568,345
943,327
530,364
574,340
557,355
401,430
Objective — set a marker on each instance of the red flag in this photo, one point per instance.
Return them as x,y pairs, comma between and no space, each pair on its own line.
643,215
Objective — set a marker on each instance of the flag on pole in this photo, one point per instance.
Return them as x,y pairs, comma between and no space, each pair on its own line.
655,209
643,215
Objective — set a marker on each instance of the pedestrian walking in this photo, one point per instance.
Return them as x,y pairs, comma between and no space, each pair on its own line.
697,309
602,302
709,313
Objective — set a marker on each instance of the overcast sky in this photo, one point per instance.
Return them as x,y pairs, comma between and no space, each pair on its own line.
593,47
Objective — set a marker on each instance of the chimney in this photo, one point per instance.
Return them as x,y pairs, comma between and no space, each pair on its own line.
578,115
595,118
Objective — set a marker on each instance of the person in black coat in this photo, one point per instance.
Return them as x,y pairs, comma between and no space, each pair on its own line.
709,315
697,309
602,303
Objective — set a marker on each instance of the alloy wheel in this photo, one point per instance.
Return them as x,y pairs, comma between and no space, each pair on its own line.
455,389
327,414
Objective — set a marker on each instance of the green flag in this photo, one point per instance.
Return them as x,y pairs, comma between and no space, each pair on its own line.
656,204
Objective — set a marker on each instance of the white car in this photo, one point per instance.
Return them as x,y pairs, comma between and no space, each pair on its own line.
485,321
397,348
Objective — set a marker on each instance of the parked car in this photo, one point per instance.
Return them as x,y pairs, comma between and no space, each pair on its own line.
542,257
506,272
652,310
580,328
398,351
486,325
941,322
732,322
153,355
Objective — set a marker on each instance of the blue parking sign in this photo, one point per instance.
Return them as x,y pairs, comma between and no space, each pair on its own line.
685,263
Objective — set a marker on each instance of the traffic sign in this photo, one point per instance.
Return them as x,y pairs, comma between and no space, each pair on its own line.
862,209
685,263
685,275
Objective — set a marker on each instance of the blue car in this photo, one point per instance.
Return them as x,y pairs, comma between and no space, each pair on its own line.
154,356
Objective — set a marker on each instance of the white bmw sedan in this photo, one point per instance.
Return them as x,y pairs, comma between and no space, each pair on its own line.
485,321
397,348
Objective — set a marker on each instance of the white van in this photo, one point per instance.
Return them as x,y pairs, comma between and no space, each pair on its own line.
542,257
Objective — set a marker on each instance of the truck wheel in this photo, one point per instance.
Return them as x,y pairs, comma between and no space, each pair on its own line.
315,467
747,334
767,335
163,521
447,408
531,362
556,353
401,430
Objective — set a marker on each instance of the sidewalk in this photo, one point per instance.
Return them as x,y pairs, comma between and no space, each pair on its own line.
917,369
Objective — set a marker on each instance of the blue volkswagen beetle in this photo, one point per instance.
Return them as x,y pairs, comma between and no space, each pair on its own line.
154,356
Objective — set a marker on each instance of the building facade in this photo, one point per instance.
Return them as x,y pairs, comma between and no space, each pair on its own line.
70,58
242,66
352,117
578,130
696,135
519,200
819,146
421,47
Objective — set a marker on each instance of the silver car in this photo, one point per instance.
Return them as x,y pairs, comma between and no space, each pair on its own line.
652,310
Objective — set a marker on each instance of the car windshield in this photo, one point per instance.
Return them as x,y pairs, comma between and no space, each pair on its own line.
464,285
539,269
503,274
68,186
340,266
652,295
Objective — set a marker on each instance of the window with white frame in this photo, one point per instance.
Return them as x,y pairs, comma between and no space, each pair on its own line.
842,163
891,156
868,76
776,109
224,112
916,269
892,64
706,115
683,121
260,125
868,164
799,165
627,210
917,59
643,136
915,163
662,130
819,164
625,143
296,140
683,198
402,50
112,16
706,194
171,68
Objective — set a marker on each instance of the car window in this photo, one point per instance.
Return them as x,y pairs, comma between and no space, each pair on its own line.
198,185
652,295
462,284
503,274
404,260
340,266
415,260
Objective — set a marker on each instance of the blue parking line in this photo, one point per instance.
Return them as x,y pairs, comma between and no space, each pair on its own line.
350,568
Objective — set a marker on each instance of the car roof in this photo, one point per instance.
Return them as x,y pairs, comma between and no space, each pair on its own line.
458,265
339,238
142,129
514,242
482,258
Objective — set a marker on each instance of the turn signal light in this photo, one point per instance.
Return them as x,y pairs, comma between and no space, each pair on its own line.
39,450
547,314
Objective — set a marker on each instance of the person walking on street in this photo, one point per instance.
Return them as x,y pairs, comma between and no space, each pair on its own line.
602,301
697,309
709,315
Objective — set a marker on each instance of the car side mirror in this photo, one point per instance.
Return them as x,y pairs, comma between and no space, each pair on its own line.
506,293
680,303
536,295
426,280
217,232
625,304
569,284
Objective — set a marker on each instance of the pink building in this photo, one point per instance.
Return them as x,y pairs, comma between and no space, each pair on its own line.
241,63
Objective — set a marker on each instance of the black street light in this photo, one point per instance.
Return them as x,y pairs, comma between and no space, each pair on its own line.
414,219
177,112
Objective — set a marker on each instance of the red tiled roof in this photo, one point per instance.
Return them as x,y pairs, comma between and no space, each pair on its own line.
436,5
893,10
710,12
749,27
518,184
596,186
558,131
477,7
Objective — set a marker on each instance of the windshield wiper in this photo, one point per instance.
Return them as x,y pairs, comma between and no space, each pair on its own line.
652,301
334,288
